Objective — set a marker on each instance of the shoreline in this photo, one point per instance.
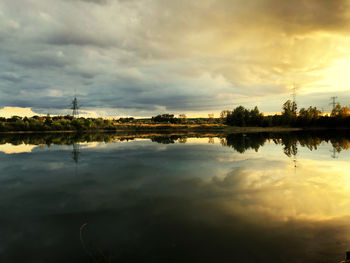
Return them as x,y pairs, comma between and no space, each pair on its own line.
173,129
178,128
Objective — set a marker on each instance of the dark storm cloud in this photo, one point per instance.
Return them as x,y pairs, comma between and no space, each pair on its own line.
171,19
78,38
39,61
45,103
11,77
302,16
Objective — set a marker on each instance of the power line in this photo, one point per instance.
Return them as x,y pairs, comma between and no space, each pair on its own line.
75,106
334,153
294,94
333,103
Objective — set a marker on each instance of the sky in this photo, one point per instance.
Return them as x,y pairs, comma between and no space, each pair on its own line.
142,58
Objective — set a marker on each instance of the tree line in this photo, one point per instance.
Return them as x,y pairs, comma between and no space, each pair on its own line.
306,117
240,116
69,123
55,123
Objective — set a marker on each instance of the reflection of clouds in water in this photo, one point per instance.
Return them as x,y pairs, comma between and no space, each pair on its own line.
205,140
246,215
137,198
87,145
276,190
9,148
316,190
161,148
260,189
56,165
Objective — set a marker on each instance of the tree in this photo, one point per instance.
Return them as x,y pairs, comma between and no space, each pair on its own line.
211,117
255,118
183,118
307,116
340,111
238,116
289,108
289,112
241,116
164,118
223,115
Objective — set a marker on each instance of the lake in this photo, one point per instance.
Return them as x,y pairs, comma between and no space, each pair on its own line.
263,197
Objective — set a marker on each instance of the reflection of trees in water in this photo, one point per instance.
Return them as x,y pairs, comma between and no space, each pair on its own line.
76,152
291,150
166,139
211,140
54,138
290,141
340,140
290,147
334,153
242,142
223,141
75,156
182,140
339,145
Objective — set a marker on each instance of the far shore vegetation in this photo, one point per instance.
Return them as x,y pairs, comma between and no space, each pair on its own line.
289,118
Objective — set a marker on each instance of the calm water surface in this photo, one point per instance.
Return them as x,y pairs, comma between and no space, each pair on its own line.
149,198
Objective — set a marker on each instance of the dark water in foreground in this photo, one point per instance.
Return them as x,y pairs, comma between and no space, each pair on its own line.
237,198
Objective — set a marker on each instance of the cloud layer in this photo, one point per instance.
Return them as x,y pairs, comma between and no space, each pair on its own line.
142,58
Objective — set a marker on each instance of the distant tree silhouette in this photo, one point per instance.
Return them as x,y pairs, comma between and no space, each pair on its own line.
289,112
339,111
308,116
167,118
241,116
223,115
183,118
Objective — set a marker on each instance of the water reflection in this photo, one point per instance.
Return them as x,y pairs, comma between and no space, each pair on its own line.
76,152
176,198
339,140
